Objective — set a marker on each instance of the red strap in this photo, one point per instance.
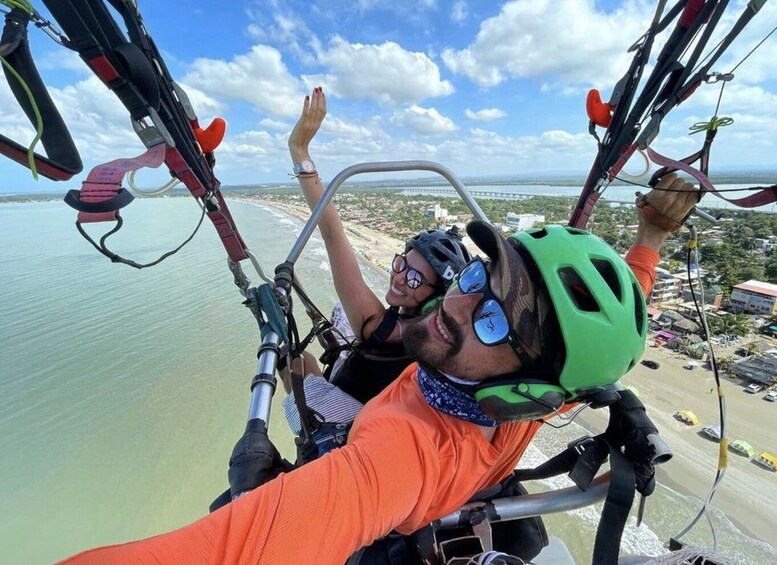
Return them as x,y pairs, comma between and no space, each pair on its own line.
765,196
104,181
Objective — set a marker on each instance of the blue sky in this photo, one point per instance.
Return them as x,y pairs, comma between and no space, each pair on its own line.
484,88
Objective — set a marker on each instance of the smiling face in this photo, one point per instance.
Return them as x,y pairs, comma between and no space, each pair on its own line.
446,339
400,294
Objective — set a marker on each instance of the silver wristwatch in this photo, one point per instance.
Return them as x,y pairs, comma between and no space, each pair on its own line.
306,166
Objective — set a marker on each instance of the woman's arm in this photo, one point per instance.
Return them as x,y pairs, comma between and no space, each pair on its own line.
362,307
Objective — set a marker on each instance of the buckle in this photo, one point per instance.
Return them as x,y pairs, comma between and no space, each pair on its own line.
581,444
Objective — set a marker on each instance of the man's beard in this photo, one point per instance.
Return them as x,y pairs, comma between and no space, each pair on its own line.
421,346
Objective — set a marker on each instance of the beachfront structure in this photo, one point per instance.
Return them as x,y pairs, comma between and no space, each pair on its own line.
666,289
754,297
760,368
519,222
438,213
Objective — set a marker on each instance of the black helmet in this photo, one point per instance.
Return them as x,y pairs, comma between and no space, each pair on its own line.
444,251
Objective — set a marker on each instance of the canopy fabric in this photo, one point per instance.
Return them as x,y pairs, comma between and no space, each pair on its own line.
687,416
741,446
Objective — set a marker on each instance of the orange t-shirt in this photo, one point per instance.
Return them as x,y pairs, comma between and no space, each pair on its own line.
405,465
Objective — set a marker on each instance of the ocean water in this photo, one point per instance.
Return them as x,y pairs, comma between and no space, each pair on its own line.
123,391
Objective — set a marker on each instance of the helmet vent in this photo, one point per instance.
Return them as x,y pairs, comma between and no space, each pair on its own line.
578,290
639,312
607,271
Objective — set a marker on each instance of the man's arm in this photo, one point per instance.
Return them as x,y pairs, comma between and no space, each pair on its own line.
671,201
320,513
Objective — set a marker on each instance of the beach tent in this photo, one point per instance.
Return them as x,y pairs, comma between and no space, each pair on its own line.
687,417
712,431
767,460
742,447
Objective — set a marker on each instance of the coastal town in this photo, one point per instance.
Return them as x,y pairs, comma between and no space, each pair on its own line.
675,379
740,305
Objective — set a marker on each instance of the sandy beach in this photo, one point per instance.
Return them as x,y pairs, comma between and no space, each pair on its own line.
748,493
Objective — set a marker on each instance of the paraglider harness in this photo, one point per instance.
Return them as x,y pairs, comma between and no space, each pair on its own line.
631,444
371,365
161,115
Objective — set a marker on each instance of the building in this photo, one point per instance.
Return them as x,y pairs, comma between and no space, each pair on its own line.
666,289
437,212
520,222
760,368
754,297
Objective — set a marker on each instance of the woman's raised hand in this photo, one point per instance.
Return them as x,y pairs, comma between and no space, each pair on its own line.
313,113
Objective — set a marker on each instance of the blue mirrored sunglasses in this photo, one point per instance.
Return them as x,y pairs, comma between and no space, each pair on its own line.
489,319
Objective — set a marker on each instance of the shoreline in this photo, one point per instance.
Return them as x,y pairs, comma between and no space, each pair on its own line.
747,492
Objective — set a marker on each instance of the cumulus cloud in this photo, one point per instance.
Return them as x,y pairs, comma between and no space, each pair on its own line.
423,121
525,41
485,115
259,77
386,73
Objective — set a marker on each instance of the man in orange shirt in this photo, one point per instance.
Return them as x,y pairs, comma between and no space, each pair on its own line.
553,314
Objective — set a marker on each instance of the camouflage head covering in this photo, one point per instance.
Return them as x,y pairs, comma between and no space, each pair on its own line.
524,300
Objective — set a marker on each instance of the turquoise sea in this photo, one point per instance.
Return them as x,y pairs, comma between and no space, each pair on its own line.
123,391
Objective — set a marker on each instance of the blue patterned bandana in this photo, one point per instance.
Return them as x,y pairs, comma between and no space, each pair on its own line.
449,397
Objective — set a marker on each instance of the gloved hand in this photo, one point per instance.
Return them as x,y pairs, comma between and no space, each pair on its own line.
254,460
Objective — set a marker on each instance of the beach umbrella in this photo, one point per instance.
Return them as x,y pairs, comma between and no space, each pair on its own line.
687,417
742,447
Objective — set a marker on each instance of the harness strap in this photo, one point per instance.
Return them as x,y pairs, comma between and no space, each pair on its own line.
63,160
765,196
136,73
385,327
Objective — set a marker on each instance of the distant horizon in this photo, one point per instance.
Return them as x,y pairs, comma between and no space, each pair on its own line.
723,176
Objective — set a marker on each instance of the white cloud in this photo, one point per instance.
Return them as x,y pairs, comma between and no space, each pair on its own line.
485,115
526,41
259,77
423,121
458,11
386,73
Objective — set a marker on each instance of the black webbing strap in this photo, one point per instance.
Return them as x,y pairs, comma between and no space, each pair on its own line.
582,459
617,504
385,328
63,160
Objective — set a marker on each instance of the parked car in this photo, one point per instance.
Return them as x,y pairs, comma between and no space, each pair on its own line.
650,364
771,396
754,388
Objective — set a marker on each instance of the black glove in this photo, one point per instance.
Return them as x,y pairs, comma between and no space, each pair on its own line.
255,460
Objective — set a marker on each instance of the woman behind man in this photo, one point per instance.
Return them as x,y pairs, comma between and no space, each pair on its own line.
419,276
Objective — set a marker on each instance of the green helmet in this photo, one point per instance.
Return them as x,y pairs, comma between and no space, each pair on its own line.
598,304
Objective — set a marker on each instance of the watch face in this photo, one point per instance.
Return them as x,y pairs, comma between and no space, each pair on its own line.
304,166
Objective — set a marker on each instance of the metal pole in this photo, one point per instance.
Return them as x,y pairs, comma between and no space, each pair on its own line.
263,385
379,167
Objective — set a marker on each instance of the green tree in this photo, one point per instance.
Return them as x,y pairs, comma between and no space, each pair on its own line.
731,324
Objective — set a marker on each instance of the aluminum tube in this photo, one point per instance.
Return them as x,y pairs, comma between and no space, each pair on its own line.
378,167
262,393
525,506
